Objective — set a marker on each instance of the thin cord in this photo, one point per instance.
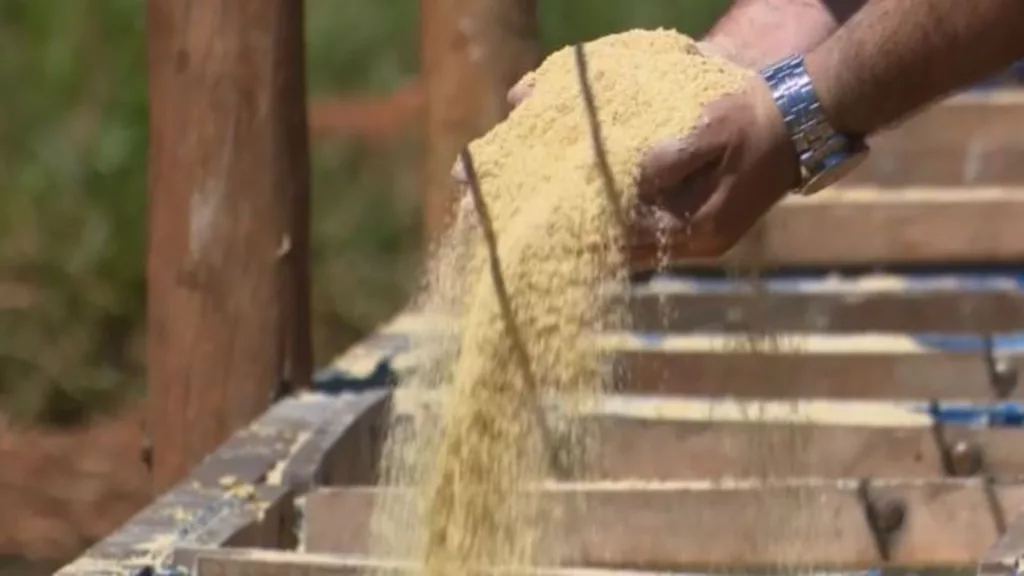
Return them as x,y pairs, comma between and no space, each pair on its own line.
610,189
504,302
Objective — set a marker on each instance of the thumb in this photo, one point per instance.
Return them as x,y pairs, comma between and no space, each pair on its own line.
521,91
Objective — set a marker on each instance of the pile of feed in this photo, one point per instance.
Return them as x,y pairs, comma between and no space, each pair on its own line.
476,428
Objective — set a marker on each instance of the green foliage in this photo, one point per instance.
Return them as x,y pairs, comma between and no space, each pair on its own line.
72,183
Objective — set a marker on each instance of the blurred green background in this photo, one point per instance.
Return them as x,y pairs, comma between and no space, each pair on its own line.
72,168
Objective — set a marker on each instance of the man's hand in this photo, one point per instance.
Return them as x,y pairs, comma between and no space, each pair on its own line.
718,180
711,186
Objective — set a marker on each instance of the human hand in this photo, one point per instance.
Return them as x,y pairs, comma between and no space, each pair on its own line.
706,189
716,182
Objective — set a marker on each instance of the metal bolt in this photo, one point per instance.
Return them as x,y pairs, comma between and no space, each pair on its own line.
1004,377
966,458
889,515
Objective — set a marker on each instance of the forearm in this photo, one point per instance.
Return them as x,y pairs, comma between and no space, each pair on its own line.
895,56
756,33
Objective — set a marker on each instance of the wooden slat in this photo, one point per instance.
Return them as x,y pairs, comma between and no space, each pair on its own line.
797,366
658,438
252,562
698,526
242,494
802,365
874,303
970,139
858,227
676,450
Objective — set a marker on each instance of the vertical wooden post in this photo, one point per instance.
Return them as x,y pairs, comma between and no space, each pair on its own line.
472,52
227,265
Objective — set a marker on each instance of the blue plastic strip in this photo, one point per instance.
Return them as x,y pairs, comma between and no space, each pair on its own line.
973,279
998,415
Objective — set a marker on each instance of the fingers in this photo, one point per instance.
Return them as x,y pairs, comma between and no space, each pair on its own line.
458,173
670,167
521,91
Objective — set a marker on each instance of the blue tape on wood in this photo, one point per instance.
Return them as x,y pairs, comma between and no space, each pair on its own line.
998,415
1000,343
989,279
334,381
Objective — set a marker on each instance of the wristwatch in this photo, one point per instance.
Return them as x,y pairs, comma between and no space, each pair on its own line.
826,156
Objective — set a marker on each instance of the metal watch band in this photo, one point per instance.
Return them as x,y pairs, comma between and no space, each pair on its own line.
818,146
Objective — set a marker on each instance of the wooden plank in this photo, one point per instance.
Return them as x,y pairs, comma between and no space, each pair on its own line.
801,365
243,493
969,139
662,438
872,303
208,517
796,366
868,227
707,526
249,562
228,176
634,449
344,450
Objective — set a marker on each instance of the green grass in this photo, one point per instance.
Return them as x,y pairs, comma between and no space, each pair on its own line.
72,171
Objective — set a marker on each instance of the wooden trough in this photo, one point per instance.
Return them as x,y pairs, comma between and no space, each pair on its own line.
883,430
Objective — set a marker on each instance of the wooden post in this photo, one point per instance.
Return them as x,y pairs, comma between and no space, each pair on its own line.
228,214
472,52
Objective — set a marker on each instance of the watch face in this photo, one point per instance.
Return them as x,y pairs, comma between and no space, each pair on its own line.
834,173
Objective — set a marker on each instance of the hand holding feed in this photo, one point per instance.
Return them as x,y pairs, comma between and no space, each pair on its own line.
719,179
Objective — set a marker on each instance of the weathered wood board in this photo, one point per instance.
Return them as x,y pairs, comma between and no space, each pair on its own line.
865,227
742,526
788,365
807,365
971,139
831,440
254,562
242,494
655,438
965,303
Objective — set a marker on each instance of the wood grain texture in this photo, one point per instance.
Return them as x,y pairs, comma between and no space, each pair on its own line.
701,526
953,309
228,179
253,562
970,139
867,227
837,366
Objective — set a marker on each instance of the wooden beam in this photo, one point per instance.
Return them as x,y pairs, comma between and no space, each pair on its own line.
227,264
789,365
871,227
856,366
472,51
253,562
740,525
243,494
214,516
871,303
636,449
965,140
727,438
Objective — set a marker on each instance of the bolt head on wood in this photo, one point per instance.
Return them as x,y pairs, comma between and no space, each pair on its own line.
1004,376
966,458
889,515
